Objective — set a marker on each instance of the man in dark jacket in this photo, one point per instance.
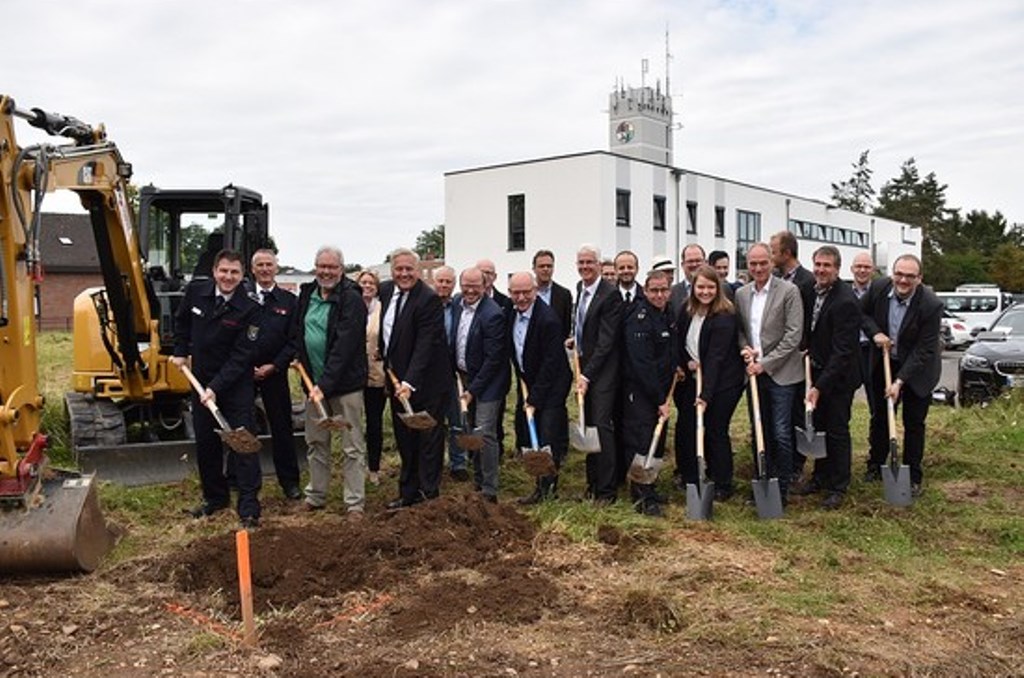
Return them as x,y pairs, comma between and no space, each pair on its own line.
273,354
835,374
479,353
412,341
217,325
904,316
538,355
330,337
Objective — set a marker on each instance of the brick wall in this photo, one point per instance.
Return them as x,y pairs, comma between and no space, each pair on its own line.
57,295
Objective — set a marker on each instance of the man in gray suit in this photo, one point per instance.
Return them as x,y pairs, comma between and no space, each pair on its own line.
771,324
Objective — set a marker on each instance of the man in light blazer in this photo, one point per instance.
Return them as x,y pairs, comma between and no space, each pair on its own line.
771,327
479,354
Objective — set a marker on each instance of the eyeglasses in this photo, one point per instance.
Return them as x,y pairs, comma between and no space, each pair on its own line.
905,276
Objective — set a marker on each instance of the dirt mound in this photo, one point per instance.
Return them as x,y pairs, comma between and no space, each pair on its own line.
438,539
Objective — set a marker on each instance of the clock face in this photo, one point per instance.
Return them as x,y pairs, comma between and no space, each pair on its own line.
625,132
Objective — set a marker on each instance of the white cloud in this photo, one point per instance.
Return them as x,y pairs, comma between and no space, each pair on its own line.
346,115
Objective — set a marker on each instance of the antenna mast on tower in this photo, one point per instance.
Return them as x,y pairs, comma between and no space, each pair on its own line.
668,64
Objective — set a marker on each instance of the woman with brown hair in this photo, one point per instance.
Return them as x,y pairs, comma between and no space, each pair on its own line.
707,334
373,393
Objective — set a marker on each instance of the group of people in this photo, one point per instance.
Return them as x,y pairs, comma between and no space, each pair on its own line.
628,348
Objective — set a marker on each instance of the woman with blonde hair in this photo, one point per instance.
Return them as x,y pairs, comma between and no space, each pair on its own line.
373,393
707,333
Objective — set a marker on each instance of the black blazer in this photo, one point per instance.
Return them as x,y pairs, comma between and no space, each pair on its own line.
599,362
918,343
275,345
345,365
545,368
486,350
418,352
561,304
834,342
719,351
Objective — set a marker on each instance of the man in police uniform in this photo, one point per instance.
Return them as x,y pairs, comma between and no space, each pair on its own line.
273,354
647,367
218,325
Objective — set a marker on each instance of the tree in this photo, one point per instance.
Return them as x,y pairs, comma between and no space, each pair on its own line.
1006,267
193,242
855,193
430,243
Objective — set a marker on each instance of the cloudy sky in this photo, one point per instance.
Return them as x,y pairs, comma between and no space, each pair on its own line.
345,115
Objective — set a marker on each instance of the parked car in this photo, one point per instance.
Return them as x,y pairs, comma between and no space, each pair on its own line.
955,332
995,361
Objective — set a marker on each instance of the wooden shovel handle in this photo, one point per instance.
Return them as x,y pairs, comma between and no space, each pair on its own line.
890,405
807,381
397,385
755,403
210,405
700,413
463,407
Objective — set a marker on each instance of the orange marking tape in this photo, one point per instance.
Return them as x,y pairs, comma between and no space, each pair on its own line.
353,612
200,619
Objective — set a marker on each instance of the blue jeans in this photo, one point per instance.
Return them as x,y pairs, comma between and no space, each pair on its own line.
777,421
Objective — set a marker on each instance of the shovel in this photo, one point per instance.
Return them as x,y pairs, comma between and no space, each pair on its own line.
537,460
584,438
895,477
767,496
464,439
239,439
419,421
809,442
644,469
700,497
335,423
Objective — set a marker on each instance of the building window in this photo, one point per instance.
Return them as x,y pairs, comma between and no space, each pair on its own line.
516,223
836,235
622,208
659,213
691,217
748,231
719,221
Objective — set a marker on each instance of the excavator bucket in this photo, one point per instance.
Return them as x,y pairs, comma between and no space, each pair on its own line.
60,528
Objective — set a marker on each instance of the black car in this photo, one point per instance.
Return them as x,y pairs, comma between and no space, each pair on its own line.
996,359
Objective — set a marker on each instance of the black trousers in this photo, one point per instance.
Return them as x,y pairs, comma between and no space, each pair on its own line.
210,452
915,411
718,453
832,415
373,400
600,412
552,424
421,451
277,403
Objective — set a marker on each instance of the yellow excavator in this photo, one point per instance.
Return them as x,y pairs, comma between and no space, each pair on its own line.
128,412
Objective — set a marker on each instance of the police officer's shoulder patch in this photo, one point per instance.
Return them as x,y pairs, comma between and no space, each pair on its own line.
253,332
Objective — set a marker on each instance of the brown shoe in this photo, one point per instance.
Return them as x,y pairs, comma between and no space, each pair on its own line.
310,508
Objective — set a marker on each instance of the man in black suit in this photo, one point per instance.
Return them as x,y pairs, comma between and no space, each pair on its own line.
412,341
832,345
538,355
550,292
479,352
598,315
626,266
217,325
273,354
903,315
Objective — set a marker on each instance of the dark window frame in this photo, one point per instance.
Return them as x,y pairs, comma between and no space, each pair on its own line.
517,222
691,217
623,207
719,221
659,213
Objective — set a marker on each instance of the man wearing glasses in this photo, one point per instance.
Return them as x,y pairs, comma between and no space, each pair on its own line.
903,316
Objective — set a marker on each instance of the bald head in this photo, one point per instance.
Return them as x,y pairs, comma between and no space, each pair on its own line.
490,271
522,287
862,269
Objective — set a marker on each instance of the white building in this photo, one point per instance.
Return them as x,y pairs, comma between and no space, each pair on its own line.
632,197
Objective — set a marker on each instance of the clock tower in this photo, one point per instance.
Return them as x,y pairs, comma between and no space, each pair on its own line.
640,123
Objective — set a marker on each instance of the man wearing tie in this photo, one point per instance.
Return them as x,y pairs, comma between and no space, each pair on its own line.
539,360
412,341
598,314
273,354
480,355
550,292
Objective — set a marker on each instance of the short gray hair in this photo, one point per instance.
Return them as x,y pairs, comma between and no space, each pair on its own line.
333,251
587,248
404,252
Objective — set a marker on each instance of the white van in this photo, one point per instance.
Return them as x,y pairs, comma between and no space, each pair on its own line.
979,304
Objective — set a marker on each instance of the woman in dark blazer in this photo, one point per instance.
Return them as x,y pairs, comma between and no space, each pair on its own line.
707,335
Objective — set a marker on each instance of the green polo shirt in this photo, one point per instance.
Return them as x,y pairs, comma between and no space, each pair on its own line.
316,333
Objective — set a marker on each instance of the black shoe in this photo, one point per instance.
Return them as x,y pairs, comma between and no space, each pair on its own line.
652,509
460,475
249,522
205,509
723,495
915,490
399,503
531,499
804,489
873,475
292,492
489,498
832,501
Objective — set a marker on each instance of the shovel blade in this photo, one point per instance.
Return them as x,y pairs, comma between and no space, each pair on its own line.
896,485
470,441
335,423
811,444
767,498
419,421
642,471
700,501
240,440
539,462
585,439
